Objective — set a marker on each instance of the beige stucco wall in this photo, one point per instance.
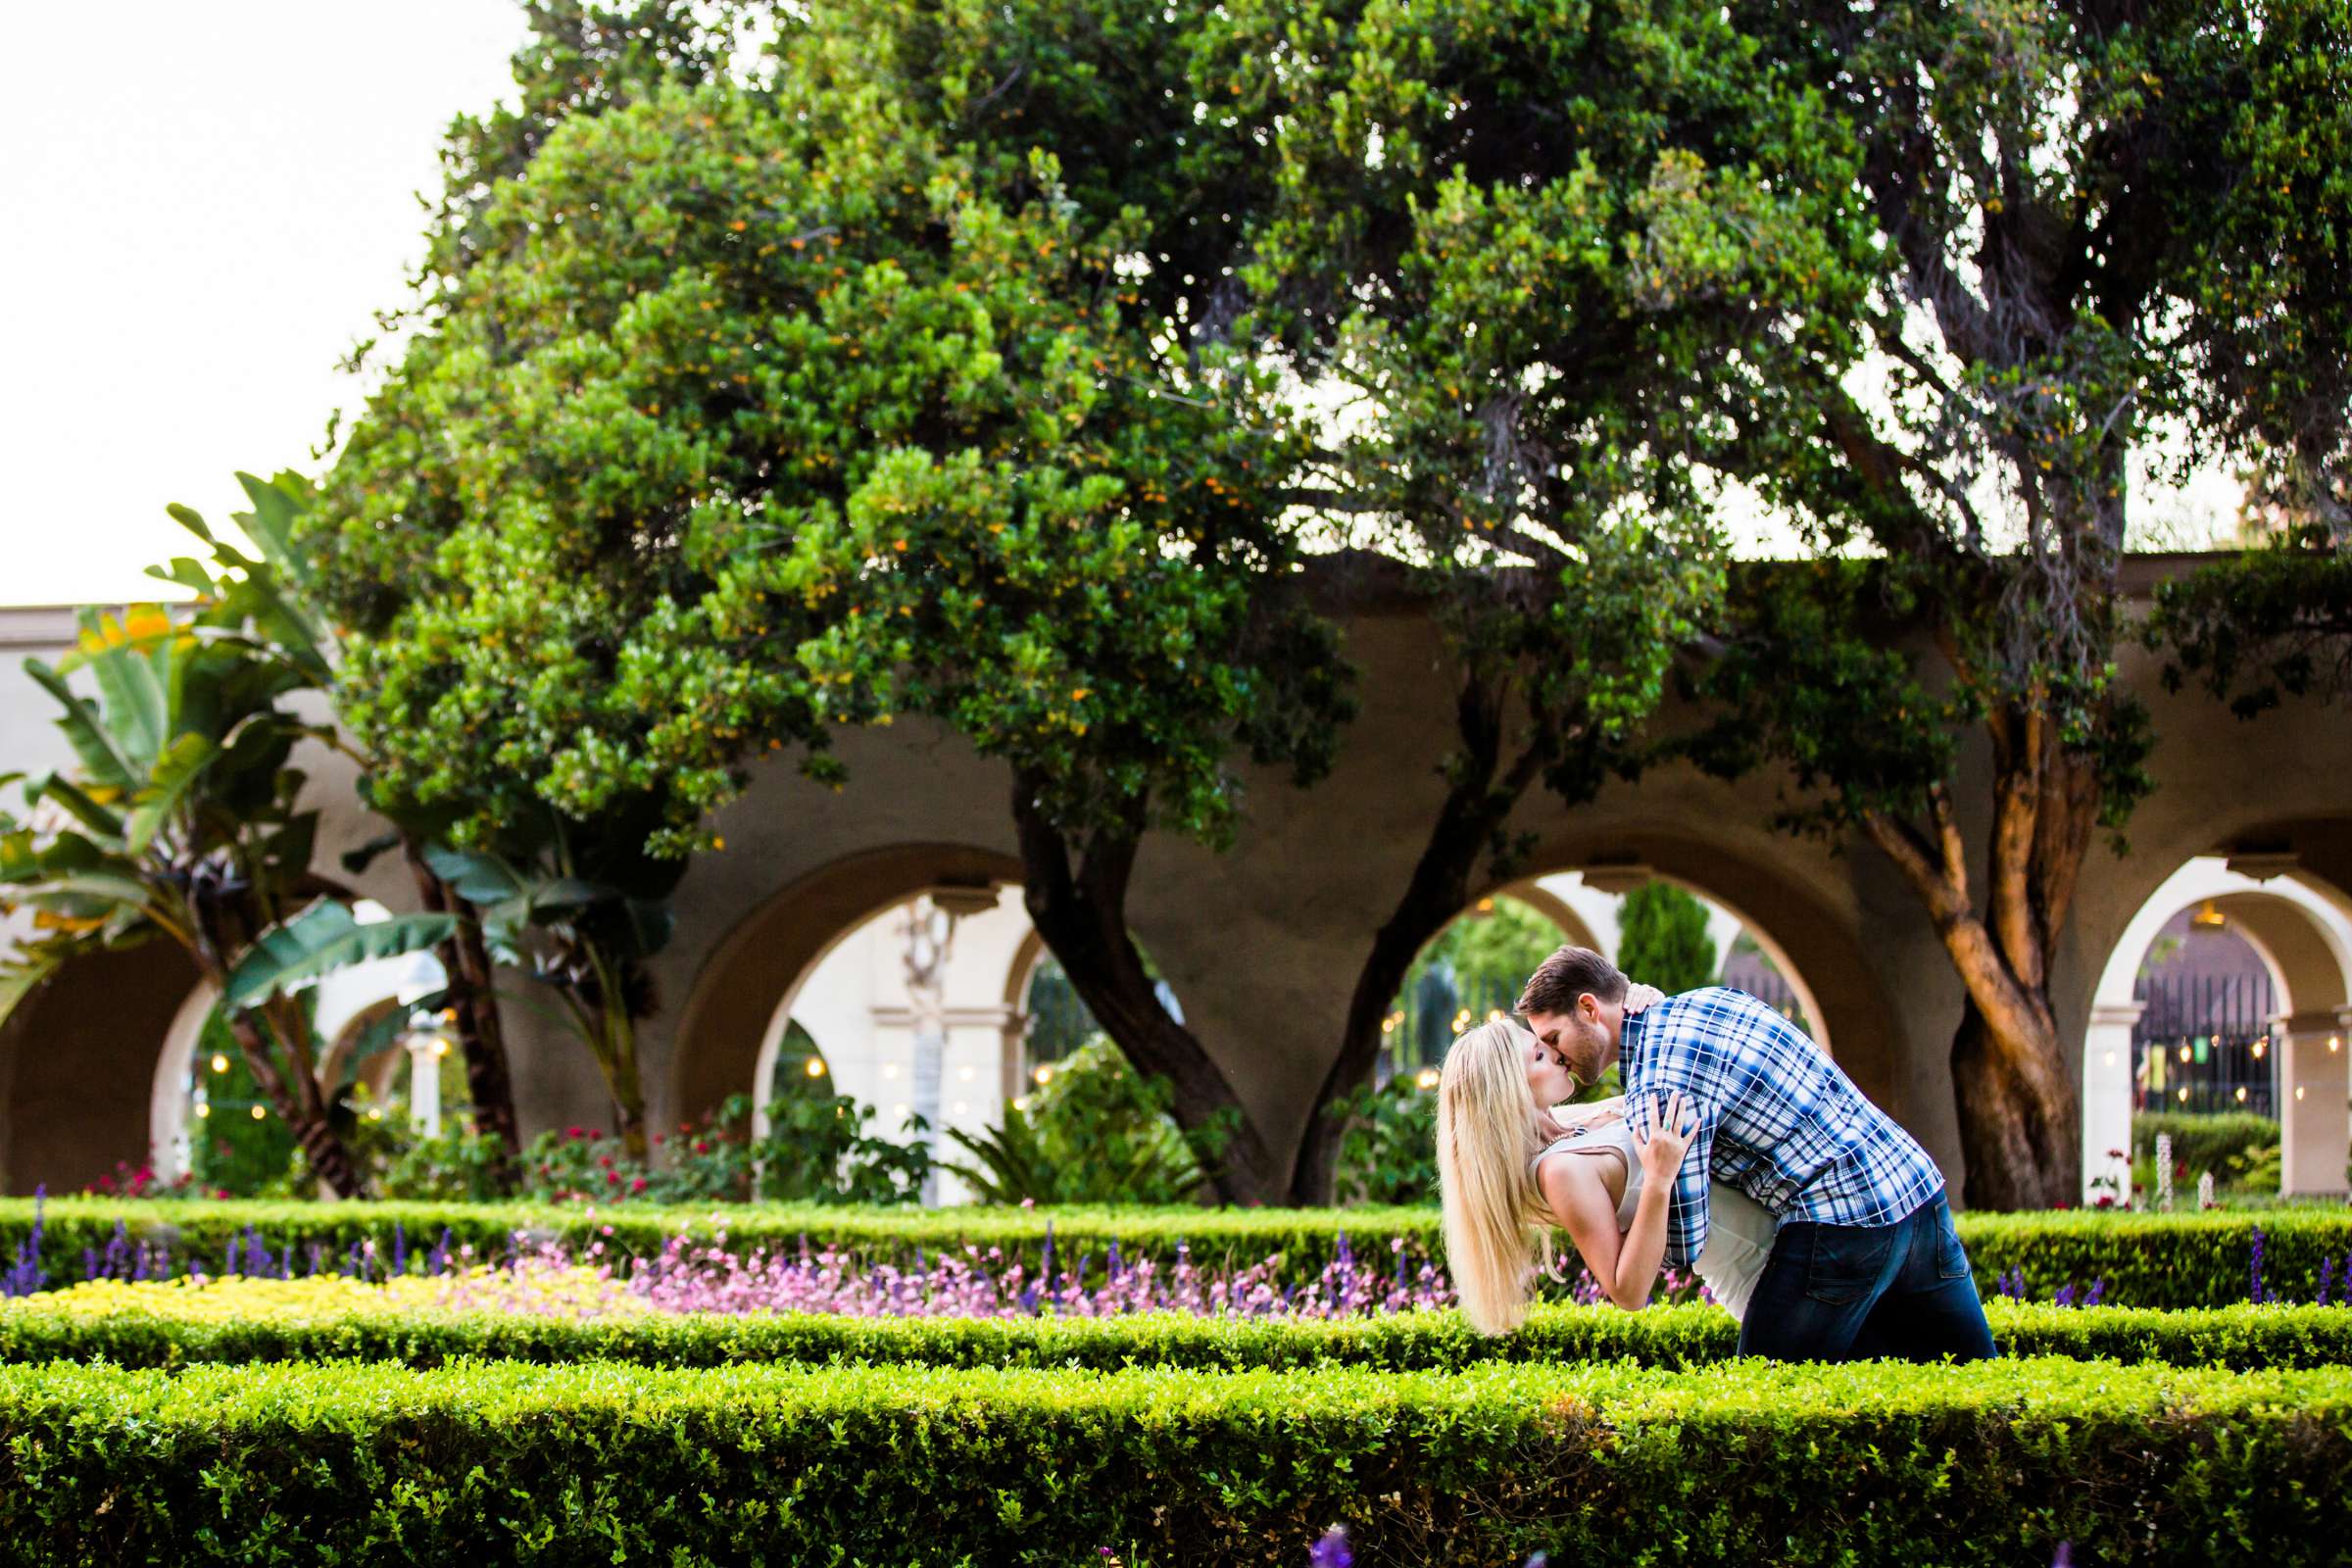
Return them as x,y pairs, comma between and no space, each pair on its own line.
1262,943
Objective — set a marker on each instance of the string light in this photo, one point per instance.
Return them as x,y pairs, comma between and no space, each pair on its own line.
1494,1016
815,1068
1427,1078
890,1069
204,1110
2241,1094
965,1074
963,1106
220,1062
1044,1075
2184,1094
259,1112
440,1046
1020,1102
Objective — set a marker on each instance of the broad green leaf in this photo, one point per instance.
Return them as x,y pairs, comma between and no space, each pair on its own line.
322,939
85,730
175,773
75,799
137,698
478,878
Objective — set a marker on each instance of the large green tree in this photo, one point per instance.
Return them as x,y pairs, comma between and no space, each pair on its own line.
757,409
1662,939
2114,242
1518,241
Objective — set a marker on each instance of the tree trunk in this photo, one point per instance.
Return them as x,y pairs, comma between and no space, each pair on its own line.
1081,912
2019,1105
1477,803
2021,1141
481,1035
628,1094
303,1115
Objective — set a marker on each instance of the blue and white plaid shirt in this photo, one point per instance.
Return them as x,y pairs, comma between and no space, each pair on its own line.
1777,1119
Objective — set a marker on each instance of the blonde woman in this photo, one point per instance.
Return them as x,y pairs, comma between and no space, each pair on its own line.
1515,1161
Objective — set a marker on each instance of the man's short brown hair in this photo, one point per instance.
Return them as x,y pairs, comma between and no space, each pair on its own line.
1566,975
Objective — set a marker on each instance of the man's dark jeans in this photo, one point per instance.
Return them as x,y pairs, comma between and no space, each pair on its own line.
1852,1293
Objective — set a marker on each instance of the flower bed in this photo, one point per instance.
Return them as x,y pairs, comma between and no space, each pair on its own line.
2177,1260
360,1464
424,1323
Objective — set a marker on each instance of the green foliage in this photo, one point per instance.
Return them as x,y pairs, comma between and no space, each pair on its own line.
1095,1132
1526,304
457,1164
36,1329
2154,1260
229,1149
1662,939
1476,965
818,1149
1980,1465
1388,1154
181,819
2214,1143
905,456
2268,626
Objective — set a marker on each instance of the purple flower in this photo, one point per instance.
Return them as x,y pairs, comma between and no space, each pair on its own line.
2256,1293
1332,1551
2066,1555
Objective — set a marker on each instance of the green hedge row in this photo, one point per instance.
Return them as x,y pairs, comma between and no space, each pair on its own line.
2173,1261
33,1331
351,1464
2202,1142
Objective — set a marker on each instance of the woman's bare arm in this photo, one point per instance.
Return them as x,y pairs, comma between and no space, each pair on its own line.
1626,1265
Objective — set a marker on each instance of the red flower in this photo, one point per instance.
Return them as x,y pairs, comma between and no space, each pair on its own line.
637,1186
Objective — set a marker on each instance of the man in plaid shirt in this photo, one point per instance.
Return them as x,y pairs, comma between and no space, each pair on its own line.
1865,1261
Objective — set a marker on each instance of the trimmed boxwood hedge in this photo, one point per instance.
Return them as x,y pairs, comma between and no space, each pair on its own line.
475,1462
2244,1338
2166,1260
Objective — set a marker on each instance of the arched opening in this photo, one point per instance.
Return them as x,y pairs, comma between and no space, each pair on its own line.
1661,929
78,1060
202,1106
2227,994
746,991
863,1001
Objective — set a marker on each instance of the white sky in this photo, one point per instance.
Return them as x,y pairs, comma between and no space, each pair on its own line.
200,229
206,204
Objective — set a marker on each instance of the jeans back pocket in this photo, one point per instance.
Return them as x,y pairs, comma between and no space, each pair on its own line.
1847,1261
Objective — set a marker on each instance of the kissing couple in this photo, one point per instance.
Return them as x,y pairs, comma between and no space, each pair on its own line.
1740,1150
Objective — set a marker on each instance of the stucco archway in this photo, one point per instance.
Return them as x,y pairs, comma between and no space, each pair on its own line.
1810,941
78,1064
2301,927
751,978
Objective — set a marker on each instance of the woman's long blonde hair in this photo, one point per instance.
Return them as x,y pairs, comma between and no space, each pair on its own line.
1498,1230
